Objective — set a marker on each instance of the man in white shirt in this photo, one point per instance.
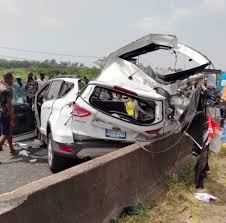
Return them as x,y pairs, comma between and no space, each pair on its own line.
41,80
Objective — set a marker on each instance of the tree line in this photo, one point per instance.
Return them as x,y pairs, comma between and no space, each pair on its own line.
50,67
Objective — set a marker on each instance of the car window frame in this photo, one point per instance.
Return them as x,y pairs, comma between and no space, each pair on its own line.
134,122
71,87
47,84
49,99
79,93
85,85
21,91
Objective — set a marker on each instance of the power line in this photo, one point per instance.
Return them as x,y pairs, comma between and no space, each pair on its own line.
48,53
16,58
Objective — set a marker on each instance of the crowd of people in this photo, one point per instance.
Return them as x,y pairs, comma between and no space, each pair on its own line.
31,86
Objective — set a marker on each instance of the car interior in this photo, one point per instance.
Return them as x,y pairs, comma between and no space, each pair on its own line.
22,111
123,106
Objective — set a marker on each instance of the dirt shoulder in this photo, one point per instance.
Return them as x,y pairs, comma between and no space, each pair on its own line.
179,204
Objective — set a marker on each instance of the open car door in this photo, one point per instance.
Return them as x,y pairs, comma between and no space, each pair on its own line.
24,120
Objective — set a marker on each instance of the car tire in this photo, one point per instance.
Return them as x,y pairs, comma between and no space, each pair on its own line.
55,162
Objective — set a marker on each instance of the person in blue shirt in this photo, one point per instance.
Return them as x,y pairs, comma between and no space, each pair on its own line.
18,91
19,83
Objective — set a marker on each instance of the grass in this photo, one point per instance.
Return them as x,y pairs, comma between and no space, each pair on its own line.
16,72
166,210
178,204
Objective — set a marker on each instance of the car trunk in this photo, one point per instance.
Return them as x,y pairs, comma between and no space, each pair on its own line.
117,113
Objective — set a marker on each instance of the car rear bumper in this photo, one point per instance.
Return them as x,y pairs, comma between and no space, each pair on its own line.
87,148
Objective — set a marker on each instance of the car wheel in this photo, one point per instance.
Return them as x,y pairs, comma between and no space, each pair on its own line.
56,163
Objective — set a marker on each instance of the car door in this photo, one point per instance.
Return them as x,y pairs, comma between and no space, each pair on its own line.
105,112
46,108
23,117
40,98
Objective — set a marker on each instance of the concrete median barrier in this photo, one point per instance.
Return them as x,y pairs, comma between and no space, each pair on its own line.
98,190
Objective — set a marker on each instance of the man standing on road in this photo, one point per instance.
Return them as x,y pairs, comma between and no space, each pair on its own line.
6,111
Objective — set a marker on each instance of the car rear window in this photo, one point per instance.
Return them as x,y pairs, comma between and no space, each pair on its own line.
123,106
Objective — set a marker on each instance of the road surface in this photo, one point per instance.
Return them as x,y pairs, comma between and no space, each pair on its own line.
19,170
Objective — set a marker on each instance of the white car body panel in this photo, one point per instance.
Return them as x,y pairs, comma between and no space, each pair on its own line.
160,39
191,53
60,128
95,126
57,114
45,114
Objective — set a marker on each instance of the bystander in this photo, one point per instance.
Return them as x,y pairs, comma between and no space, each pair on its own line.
41,80
31,88
6,111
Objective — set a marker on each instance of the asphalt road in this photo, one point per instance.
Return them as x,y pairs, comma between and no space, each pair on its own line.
19,170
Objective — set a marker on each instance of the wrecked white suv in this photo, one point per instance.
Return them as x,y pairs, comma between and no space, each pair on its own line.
123,105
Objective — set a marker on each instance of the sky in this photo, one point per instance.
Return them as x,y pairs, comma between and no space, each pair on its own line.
98,27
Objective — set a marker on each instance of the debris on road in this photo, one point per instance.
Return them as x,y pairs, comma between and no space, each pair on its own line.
205,197
36,144
24,153
33,161
23,145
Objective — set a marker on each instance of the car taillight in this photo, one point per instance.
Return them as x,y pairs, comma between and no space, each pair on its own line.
155,131
79,111
125,90
66,149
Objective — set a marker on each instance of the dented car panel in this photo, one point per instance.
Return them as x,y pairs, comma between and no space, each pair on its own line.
118,65
106,113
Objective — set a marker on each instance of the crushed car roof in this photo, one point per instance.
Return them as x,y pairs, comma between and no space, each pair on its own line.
144,45
119,64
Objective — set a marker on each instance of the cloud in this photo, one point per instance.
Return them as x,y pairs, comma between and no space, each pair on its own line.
154,24
214,5
178,15
49,21
9,7
184,12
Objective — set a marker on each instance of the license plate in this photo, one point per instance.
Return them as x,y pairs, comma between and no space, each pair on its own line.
115,134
